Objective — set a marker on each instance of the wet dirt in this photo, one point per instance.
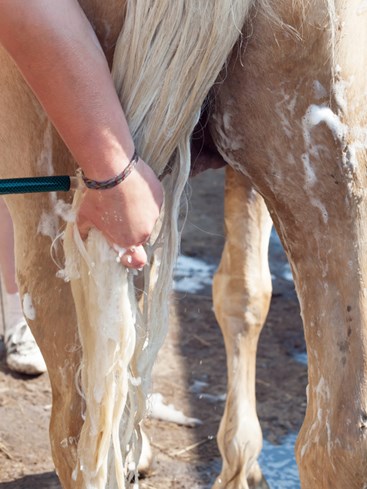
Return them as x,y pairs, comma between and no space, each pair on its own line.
186,458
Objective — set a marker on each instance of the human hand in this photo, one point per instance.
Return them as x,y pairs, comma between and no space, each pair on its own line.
125,214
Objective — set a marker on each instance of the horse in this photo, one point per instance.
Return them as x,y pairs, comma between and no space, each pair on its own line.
286,114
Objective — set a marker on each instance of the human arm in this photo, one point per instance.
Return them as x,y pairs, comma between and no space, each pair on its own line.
55,48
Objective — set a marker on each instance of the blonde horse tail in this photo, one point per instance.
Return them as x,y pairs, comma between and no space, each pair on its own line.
167,58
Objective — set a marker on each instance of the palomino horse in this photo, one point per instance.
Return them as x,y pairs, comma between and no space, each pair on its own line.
289,117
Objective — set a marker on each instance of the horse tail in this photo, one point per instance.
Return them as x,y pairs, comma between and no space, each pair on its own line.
167,58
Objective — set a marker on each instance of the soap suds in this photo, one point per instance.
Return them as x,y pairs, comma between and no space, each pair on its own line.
28,308
157,409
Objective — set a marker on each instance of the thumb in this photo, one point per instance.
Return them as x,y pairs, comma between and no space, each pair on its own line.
135,258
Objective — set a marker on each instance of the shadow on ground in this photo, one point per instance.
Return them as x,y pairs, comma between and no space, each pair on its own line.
47,480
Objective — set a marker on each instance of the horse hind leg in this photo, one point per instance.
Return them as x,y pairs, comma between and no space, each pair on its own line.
29,147
312,174
241,294
53,324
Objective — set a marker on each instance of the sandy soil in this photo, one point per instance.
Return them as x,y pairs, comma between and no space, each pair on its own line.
184,457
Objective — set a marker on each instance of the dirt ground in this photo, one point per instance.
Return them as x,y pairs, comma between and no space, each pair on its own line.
185,457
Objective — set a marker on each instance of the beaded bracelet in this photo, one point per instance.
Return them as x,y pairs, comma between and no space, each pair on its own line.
112,182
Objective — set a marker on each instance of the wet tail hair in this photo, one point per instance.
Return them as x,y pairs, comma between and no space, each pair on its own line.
167,58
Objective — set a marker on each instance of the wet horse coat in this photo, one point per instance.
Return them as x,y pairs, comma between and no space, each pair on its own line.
289,117
293,121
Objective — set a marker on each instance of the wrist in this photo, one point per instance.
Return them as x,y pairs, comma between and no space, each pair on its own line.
105,164
112,182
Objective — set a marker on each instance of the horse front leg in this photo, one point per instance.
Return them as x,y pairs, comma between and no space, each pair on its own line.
242,293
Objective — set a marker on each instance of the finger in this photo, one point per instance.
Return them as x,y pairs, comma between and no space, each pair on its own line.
134,259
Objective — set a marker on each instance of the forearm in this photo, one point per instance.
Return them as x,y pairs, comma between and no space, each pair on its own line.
57,52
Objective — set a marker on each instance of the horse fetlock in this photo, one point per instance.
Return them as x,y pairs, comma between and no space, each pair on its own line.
230,479
239,441
241,479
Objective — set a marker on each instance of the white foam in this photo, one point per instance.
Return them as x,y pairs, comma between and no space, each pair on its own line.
316,114
157,409
48,225
228,136
286,125
28,308
65,211
44,160
339,92
319,205
49,221
310,175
